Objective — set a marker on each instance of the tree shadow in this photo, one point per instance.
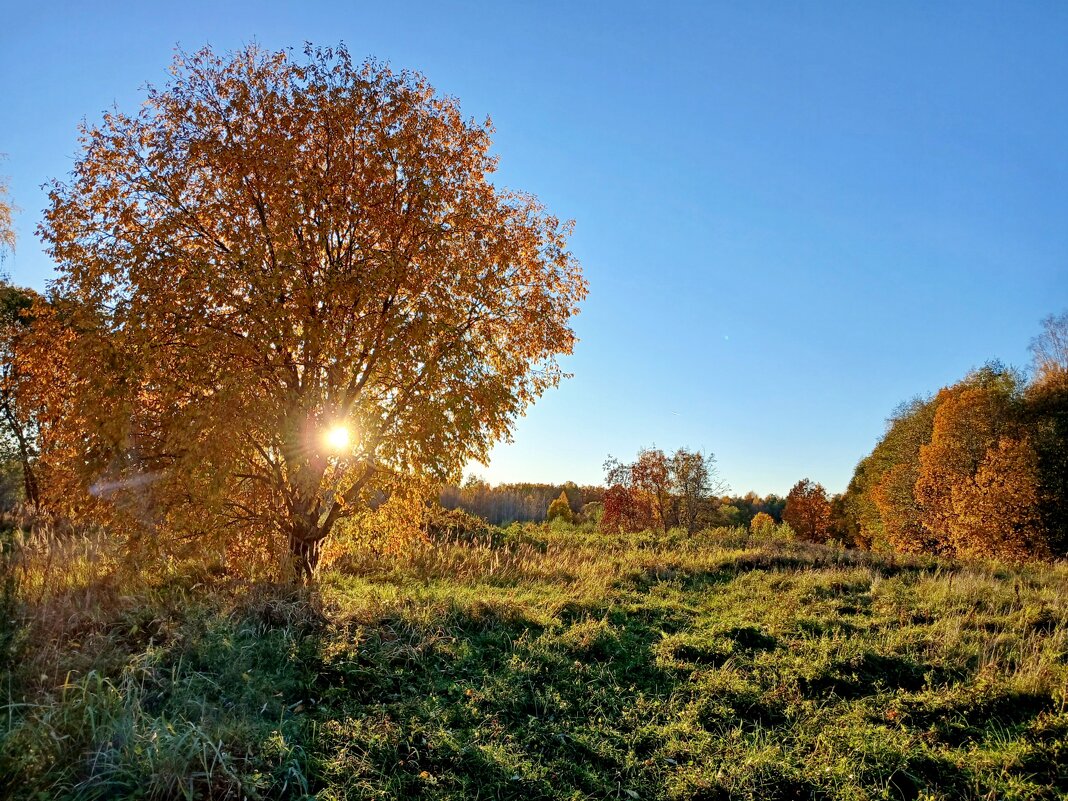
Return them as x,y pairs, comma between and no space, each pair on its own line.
866,674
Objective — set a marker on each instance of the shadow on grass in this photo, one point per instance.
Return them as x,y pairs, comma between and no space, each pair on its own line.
970,714
504,706
863,675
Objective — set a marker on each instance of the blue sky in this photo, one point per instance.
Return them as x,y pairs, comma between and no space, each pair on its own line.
793,216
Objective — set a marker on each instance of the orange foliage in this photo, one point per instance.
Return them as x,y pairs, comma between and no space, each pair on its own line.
899,513
627,509
808,512
271,248
997,511
979,482
966,423
651,473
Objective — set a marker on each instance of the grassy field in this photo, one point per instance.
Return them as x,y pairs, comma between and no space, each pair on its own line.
544,663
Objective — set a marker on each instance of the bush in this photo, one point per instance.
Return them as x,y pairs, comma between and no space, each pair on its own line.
762,523
592,513
560,509
455,524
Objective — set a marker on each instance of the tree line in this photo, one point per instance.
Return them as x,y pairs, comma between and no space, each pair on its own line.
979,469
683,489
507,503
517,502
275,247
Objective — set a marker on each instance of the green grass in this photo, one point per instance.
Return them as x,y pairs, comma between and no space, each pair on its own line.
549,663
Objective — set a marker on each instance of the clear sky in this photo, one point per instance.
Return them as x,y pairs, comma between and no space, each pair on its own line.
792,215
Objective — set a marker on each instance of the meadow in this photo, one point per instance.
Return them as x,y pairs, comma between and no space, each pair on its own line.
538,662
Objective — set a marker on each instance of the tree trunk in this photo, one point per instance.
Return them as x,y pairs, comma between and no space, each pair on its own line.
307,533
29,478
304,554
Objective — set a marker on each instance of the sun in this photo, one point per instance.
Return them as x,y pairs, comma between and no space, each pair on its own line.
338,438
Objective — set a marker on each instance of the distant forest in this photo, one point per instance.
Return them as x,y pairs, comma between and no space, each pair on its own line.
526,502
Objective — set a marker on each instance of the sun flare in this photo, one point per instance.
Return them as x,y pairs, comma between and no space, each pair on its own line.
338,438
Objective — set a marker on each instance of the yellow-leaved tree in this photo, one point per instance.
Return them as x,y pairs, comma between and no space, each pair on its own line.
296,287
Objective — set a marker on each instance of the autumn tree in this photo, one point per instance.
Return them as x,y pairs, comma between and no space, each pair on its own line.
18,441
560,509
650,474
278,248
660,491
880,498
980,469
627,509
762,523
978,478
997,511
694,480
844,527
970,416
808,512
575,496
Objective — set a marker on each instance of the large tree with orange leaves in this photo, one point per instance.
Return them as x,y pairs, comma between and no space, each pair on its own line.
275,246
808,511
